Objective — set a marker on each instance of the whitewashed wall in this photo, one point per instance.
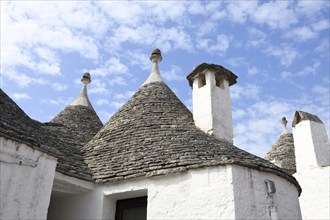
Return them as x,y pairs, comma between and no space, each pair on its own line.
212,108
312,150
27,177
315,196
252,200
222,192
197,194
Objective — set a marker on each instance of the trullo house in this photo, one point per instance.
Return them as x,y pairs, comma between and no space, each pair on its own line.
154,159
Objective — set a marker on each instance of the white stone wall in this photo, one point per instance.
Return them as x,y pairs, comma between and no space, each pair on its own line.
222,192
315,196
212,108
252,200
311,145
197,194
27,177
313,170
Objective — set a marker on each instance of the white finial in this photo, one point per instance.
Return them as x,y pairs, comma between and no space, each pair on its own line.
82,99
86,79
155,58
284,122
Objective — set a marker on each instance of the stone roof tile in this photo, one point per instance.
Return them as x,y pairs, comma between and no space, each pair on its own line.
282,153
18,126
154,134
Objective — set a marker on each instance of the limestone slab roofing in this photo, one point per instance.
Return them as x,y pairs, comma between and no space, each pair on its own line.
18,126
74,127
283,151
154,134
62,138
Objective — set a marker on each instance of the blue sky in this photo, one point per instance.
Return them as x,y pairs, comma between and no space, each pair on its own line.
278,49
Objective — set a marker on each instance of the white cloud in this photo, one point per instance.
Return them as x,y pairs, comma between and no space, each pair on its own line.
119,81
236,61
20,96
166,38
102,102
49,28
239,11
196,8
59,86
259,124
174,74
59,101
247,91
237,114
301,34
323,46
268,13
174,38
140,59
286,74
311,8
257,37
23,80
321,90
98,87
321,25
113,66
309,70
124,96
117,104
253,71
285,53
219,47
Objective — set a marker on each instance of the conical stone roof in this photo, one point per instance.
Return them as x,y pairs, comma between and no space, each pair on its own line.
18,126
80,116
53,139
75,126
154,134
282,153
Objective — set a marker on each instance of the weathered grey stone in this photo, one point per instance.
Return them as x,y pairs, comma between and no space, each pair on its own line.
154,134
282,153
302,116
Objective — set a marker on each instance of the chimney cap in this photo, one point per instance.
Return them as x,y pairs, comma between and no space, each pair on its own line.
217,69
302,116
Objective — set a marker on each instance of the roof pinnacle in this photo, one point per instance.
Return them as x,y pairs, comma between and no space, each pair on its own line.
82,99
284,122
155,58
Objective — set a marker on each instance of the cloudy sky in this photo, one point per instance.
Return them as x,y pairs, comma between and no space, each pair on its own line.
278,49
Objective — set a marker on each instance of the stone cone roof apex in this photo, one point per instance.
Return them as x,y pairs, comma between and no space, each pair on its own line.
80,115
83,99
155,58
282,152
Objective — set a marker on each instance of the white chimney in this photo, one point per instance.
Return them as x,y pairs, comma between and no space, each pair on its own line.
211,99
311,142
